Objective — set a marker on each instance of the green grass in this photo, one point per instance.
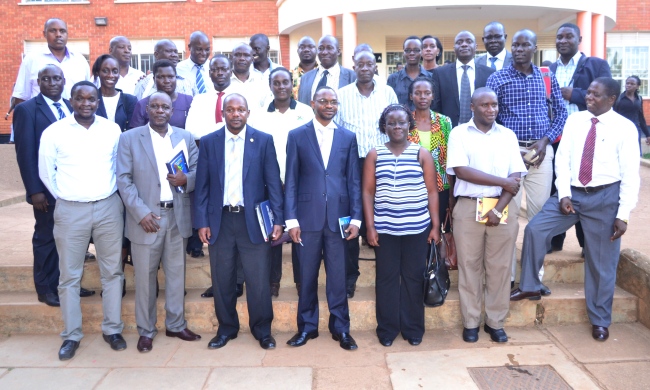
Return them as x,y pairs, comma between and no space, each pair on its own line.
647,155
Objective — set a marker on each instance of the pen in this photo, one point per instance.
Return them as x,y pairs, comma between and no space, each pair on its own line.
300,242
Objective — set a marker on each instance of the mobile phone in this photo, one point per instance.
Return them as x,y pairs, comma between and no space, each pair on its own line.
531,157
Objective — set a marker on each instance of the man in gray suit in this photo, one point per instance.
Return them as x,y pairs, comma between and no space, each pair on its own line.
328,73
158,216
494,39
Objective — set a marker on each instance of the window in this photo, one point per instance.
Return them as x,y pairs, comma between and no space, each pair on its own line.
142,53
629,55
392,58
225,46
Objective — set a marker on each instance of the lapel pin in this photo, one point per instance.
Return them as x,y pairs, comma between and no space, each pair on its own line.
252,140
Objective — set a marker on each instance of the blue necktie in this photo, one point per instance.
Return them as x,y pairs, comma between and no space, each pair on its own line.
58,108
493,60
465,98
200,84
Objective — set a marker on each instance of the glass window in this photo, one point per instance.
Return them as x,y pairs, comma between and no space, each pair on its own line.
630,61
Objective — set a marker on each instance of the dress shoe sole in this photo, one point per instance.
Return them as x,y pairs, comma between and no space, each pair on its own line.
224,344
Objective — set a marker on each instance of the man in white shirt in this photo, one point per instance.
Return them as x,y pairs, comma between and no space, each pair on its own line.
597,168
76,162
164,50
74,65
494,39
262,64
250,83
120,48
195,69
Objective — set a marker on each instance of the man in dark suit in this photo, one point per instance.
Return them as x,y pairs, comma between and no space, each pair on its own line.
322,184
329,72
238,169
494,39
455,83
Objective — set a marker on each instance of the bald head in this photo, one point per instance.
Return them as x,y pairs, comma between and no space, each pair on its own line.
166,50
120,48
199,47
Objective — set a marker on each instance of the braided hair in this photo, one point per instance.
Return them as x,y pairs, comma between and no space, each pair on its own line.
392,108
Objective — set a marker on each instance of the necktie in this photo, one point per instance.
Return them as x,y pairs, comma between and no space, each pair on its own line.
234,174
58,108
493,60
587,162
200,83
465,98
218,117
323,80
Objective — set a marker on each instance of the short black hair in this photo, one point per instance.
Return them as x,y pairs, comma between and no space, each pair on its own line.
98,64
438,45
224,57
418,80
260,36
82,84
572,26
162,64
392,108
280,69
612,87
320,89
410,37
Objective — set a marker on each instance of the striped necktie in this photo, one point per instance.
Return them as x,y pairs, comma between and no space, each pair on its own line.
58,108
200,83
587,161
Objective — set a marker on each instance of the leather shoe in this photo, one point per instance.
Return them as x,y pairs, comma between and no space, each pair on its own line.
185,334
386,342
197,254
275,289
350,290
207,293
599,333
85,293
50,299
220,341
301,338
67,350
470,335
518,295
240,290
545,291
116,341
267,342
497,335
345,341
145,344
414,340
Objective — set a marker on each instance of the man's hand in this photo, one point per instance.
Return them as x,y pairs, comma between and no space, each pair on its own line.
566,92
566,206
205,235
39,201
149,223
492,219
372,236
353,232
434,236
619,229
277,232
540,148
294,233
511,185
178,179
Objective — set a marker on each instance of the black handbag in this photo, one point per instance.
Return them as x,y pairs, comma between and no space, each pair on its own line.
436,279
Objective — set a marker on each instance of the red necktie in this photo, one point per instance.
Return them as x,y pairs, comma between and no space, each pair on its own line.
587,162
218,118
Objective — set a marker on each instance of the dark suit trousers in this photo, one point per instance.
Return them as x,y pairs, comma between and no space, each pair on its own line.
334,248
46,258
352,265
233,242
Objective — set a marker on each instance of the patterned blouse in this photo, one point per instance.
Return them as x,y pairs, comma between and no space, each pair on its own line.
435,142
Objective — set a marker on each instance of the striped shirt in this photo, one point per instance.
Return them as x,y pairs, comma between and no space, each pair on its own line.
401,198
564,76
360,114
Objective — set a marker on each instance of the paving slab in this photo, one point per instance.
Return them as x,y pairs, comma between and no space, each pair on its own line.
628,376
368,378
268,378
27,350
52,378
155,379
244,351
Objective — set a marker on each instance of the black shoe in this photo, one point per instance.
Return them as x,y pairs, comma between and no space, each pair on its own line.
67,350
414,340
497,335
197,254
207,293
350,290
301,338
385,342
345,341
267,342
582,253
512,284
116,341
275,289
89,256
470,335
85,293
557,248
599,333
50,299
298,289
240,290
545,291
518,295
123,288
220,341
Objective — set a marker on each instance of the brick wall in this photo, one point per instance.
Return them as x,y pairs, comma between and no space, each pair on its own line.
134,20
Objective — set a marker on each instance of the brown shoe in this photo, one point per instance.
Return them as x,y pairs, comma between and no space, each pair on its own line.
518,295
599,333
184,334
275,289
145,344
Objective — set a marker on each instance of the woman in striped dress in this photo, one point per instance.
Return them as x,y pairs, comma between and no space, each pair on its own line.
400,201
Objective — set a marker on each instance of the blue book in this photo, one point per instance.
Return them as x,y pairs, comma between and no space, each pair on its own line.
344,223
178,163
265,218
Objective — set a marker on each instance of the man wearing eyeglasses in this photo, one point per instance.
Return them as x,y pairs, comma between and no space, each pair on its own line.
494,39
401,81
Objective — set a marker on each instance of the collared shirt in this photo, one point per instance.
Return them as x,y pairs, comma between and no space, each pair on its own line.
616,157
471,74
297,73
75,68
236,164
55,111
267,73
163,151
278,125
187,69
201,119
147,86
495,152
400,82
522,104
360,114
78,164
564,76
253,89
128,82
333,76
500,59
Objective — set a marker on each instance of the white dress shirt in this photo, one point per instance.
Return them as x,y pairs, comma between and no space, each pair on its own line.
187,69
500,60
78,164
75,68
147,86
201,119
110,104
616,157
564,77
253,89
163,151
495,153
64,107
127,83
237,164
333,76
471,73
267,73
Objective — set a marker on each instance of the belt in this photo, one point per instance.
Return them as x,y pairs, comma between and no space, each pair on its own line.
234,209
589,190
467,197
167,205
92,201
527,143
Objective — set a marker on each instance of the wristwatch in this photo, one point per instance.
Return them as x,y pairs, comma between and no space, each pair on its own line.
624,220
498,214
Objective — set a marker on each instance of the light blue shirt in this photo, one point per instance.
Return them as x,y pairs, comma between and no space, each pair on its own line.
564,76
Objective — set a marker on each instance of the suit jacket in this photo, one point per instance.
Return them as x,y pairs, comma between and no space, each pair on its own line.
587,70
445,89
139,183
315,195
482,60
307,82
260,181
30,118
124,111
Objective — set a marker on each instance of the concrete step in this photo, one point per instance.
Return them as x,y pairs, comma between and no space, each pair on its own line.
20,312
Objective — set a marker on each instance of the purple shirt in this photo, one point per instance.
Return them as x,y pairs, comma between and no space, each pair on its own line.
179,114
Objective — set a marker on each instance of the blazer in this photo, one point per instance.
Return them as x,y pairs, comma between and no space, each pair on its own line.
587,70
315,195
482,60
124,111
30,118
260,181
445,89
139,183
307,82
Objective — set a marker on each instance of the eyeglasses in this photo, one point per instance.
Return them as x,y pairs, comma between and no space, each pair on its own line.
326,102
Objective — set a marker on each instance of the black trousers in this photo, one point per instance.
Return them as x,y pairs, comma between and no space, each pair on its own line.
233,242
276,263
399,284
46,258
558,241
